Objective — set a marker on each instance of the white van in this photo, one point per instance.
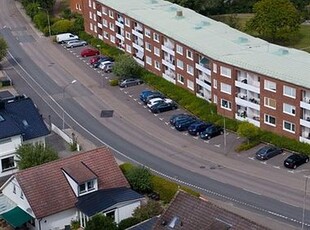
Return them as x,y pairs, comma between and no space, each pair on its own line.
60,38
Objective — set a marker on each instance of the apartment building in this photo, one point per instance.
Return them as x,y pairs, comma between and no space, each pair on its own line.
247,78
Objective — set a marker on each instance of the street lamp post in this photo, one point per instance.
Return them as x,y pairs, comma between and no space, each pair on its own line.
48,20
304,204
63,96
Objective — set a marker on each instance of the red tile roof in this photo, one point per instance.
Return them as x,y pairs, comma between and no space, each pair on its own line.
79,172
192,213
47,190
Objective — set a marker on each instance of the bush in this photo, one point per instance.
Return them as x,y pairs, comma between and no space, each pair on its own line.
40,20
113,82
140,179
126,223
32,9
148,210
126,167
62,26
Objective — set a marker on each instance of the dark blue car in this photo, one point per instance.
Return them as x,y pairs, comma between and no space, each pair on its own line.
198,127
177,117
183,125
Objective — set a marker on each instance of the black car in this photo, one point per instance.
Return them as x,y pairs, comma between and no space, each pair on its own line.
163,107
130,82
198,127
184,124
268,152
211,131
295,160
144,94
178,117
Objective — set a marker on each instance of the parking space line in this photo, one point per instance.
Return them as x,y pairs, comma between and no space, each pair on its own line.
145,106
154,114
106,78
84,60
251,191
276,167
195,137
161,118
139,102
251,158
130,95
218,145
126,92
206,141
290,171
172,127
186,134
135,99
264,162
167,123
87,63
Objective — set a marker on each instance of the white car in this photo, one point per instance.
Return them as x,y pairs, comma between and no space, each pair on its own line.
103,65
157,100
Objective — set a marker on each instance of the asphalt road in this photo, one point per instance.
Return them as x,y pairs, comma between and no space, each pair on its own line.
41,70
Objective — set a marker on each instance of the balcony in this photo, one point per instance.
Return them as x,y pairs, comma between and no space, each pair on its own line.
119,36
305,104
169,76
203,68
203,83
243,84
99,13
169,64
252,102
138,33
99,25
251,119
139,61
138,47
119,24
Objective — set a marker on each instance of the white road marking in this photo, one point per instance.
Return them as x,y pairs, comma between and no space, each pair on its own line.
264,162
161,118
135,99
257,193
167,123
218,146
251,158
276,167
106,78
139,102
195,137
130,95
206,141
290,171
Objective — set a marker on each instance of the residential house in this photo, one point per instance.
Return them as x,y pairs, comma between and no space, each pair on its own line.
20,123
51,195
192,213
248,79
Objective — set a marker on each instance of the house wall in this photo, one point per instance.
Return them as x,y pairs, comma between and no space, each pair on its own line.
9,145
39,140
72,183
17,195
57,221
126,211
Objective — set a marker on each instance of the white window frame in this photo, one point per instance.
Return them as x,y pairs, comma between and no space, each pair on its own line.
94,5
90,15
111,26
292,128
95,28
148,60
111,14
225,71
89,3
128,48
91,26
128,35
270,85
268,102
214,83
179,49
148,46
94,17
190,70
104,10
214,68
105,23
225,88
267,118
289,109
156,37
112,38
289,91
228,103
189,54
180,64
147,32
156,51
127,22
105,35
215,99
180,78
157,65
190,84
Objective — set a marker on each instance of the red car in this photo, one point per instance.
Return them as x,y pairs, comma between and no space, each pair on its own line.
93,60
89,52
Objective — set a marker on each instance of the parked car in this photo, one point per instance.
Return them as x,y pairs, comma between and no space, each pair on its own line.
158,100
61,38
87,52
103,65
154,95
163,107
295,160
75,43
198,127
174,118
94,59
211,131
108,67
130,82
102,59
268,152
184,124
145,94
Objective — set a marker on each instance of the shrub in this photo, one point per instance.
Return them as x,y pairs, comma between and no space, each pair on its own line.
113,82
40,20
32,9
126,223
165,188
148,210
126,167
140,179
62,26
125,65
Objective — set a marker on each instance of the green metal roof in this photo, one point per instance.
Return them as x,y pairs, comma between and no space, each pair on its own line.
16,217
218,41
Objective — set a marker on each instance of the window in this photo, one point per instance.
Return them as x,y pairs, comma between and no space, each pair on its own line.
14,189
111,215
189,54
179,49
190,84
156,51
225,88
95,29
90,185
128,35
104,10
105,23
190,69
214,68
112,38
94,5
289,91
148,60
82,188
111,26
7,163
147,32
148,46
226,72
91,26
288,126
156,37
89,3
270,102
225,104
214,83
214,99
289,109
21,195
105,35
94,17
270,120
5,140
90,15
128,48
180,79
179,64
127,22
270,85
157,65
111,14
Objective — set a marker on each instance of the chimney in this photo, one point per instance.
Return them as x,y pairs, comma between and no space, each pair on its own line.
179,13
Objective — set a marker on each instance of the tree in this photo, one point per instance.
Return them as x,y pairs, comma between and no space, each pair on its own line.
100,222
148,210
126,66
249,131
140,179
274,20
30,155
3,48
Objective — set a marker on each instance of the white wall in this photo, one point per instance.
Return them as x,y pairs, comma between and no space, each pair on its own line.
72,183
38,140
10,147
126,211
57,221
16,197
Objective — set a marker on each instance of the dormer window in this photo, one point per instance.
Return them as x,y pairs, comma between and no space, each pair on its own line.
90,185
87,186
82,188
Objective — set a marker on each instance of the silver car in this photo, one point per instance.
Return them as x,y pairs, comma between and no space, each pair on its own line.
75,43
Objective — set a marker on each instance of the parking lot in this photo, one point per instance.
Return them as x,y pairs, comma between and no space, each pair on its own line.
130,96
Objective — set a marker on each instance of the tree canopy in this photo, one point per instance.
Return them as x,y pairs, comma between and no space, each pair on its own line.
30,155
126,66
3,48
274,20
100,222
